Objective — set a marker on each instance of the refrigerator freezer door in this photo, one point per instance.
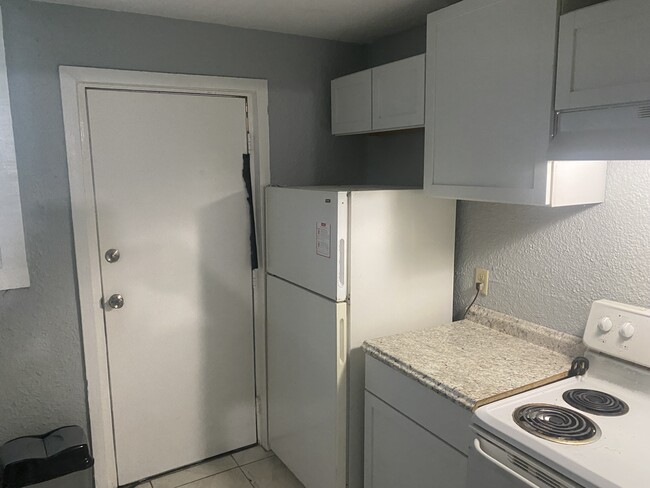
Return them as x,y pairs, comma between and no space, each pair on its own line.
307,351
307,239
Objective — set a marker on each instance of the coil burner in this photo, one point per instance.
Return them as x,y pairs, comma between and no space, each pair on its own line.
556,424
595,402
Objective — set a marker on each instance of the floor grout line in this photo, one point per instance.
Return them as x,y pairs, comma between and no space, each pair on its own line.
209,476
189,467
150,482
256,461
250,481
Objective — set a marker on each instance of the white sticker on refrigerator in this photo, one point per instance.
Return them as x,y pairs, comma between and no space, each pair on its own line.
323,239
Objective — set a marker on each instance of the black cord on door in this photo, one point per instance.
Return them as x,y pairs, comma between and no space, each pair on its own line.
248,180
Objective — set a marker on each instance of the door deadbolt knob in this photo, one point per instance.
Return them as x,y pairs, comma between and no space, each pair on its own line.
116,301
112,255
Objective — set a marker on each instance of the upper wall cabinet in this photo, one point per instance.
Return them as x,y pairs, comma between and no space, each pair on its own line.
602,58
489,110
352,103
13,264
387,97
398,94
603,83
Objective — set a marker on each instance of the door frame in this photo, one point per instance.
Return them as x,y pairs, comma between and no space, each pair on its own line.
74,83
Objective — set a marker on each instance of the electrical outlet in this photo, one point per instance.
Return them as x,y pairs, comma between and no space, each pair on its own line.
482,276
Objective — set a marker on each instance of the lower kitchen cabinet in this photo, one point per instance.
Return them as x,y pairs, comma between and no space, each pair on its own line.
399,452
414,437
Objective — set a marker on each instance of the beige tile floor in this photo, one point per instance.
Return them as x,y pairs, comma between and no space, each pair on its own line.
252,467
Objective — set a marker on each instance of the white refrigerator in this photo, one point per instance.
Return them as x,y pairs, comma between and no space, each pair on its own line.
344,265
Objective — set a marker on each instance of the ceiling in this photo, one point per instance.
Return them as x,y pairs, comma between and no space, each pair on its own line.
360,21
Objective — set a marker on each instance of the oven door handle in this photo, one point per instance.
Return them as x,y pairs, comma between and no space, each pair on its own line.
481,452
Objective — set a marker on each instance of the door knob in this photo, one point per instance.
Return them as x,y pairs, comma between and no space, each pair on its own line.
116,301
112,255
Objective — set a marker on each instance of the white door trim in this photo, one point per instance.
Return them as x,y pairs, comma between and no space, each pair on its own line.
74,82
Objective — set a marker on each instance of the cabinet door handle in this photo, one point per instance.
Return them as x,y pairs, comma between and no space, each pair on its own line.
503,467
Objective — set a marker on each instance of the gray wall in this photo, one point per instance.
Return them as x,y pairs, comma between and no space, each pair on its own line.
42,379
395,158
547,265
575,254
398,46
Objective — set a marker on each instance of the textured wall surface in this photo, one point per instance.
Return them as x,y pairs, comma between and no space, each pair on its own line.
41,366
548,265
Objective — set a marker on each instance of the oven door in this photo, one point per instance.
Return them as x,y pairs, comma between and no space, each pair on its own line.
494,464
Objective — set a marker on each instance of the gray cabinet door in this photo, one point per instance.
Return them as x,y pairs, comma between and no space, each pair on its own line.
398,94
600,55
399,452
352,103
489,97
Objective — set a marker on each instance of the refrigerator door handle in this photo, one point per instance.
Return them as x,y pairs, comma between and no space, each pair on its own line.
342,341
341,263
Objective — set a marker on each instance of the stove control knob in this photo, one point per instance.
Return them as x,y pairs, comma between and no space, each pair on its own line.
605,324
627,330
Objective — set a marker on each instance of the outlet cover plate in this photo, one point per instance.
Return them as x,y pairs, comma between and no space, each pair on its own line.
482,276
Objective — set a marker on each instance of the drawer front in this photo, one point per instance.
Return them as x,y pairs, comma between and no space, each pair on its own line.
447,420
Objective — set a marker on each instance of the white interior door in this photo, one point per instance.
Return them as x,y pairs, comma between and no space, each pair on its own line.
170,197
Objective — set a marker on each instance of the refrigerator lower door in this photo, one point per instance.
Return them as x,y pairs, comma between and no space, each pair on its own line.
307,351
306,232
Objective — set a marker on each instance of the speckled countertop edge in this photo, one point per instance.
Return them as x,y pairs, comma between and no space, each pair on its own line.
544,354
453,394
535,334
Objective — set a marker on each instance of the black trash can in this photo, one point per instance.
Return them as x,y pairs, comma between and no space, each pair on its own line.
58,459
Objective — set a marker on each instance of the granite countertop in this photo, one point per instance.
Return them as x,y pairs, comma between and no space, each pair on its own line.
484,358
